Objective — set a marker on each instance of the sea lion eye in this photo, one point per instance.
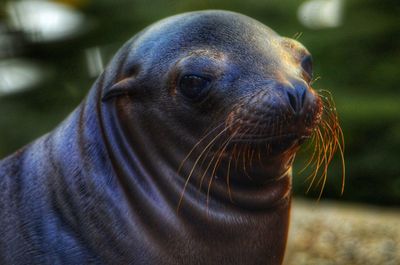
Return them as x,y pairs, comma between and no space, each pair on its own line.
194,87
306,64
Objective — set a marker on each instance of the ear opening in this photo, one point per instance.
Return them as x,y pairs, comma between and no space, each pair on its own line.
120,88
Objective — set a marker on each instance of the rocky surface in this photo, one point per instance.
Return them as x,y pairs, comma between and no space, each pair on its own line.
325,233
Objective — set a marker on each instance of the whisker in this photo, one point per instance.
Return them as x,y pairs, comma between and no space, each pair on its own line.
197,161
221,152
228,179
318,160
197,144
327,139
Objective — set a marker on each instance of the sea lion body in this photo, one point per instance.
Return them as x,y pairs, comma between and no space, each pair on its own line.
142,172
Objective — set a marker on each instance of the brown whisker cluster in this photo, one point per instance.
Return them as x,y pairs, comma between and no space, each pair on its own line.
221,143
218,144
327,140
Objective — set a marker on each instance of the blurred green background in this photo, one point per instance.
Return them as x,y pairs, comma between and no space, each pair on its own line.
356,57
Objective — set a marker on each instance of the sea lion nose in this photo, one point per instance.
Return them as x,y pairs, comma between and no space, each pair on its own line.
296,95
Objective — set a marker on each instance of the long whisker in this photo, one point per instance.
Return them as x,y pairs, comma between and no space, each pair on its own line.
197,161
221,152
212,159
314,142
327,140
228,178
318,159
338,134
197,144
326,159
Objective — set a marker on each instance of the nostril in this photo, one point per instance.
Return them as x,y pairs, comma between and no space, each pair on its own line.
297,96
293,101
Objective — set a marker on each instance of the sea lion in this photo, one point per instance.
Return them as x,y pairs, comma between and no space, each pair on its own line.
180,154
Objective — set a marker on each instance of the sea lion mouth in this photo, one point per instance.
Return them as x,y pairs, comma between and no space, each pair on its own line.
280,141
272,145
265,139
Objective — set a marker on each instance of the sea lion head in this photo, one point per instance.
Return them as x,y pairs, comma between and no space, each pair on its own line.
216,94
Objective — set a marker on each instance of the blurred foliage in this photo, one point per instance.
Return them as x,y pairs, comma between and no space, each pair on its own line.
358,61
